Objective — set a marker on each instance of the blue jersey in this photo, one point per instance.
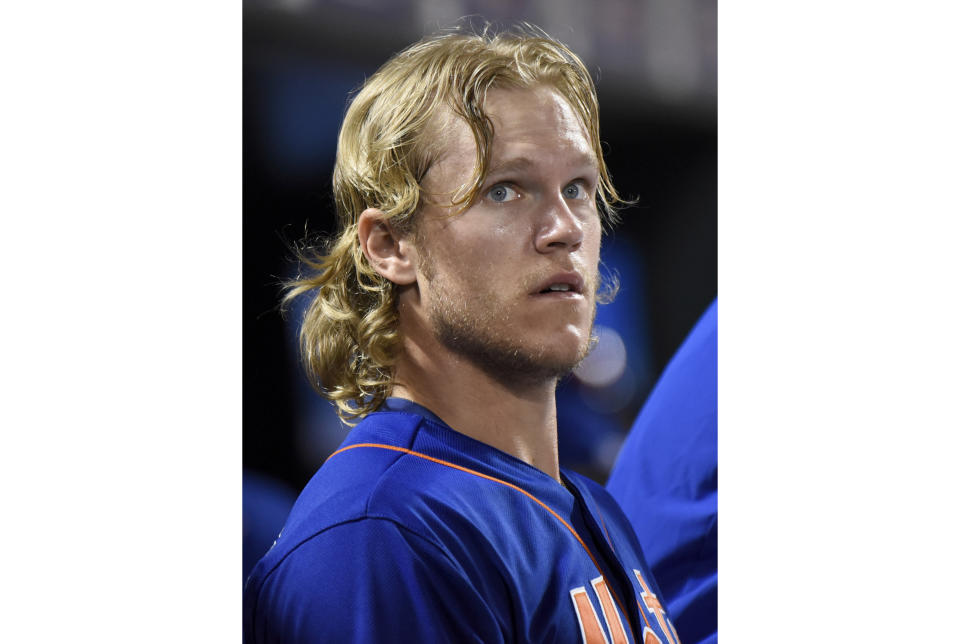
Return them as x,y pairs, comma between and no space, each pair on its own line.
413,532
666,481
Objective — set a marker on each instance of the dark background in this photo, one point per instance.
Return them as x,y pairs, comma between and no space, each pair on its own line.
655,67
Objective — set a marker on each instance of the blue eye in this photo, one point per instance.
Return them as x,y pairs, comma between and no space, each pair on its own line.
573,191
501,193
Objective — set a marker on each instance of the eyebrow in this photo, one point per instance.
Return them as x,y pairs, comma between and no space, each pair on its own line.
517,164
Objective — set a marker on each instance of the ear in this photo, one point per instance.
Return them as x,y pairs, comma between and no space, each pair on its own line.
389,254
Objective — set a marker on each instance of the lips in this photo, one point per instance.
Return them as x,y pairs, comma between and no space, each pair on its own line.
566,283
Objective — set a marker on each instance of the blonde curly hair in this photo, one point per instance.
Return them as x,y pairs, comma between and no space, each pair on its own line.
349,337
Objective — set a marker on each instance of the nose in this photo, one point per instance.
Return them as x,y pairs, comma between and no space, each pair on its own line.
558,227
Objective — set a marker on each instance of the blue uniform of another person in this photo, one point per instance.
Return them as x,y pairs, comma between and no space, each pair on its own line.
665,479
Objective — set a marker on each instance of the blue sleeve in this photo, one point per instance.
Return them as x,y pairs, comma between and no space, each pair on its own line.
370,580
665,479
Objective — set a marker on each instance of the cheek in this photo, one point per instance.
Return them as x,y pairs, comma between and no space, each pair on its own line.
592,236
465,265
484,248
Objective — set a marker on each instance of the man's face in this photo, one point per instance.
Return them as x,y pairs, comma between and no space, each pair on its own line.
511,282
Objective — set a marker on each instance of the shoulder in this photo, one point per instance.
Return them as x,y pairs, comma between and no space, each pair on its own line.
373,526
332,585
378,531
363,479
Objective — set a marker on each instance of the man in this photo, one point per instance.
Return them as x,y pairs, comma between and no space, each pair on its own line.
471,190
665,479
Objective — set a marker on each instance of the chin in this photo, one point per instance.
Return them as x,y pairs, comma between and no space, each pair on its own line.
545,360
515,350
569,345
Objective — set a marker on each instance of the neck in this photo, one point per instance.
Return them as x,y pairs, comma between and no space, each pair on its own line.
517,418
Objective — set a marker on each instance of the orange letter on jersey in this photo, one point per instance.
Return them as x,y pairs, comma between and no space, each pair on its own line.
652,604
590,629
610,614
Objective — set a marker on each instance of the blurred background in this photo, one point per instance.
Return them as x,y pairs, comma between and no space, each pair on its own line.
655,64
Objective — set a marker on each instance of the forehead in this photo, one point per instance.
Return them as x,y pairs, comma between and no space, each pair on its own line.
531,126
528,120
